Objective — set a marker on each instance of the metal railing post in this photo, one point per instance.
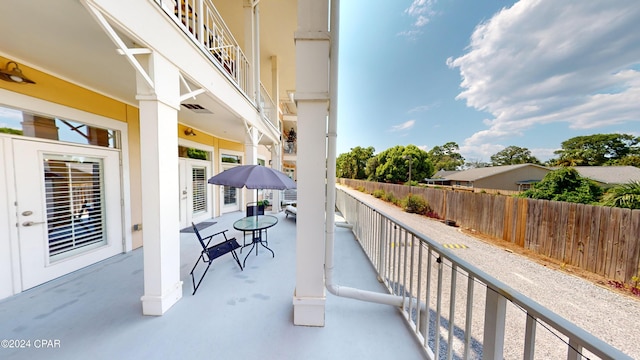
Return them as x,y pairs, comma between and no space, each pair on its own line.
494,321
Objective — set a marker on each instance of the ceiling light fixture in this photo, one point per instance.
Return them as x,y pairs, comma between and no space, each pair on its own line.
14,74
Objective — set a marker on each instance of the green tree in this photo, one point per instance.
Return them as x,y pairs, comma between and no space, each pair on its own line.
7,130
475,163
393,164
623,196
629,160
372,166
352,165
342,165
565,184
512,155
596,150
446,157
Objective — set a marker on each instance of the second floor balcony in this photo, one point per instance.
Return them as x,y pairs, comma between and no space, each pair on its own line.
203,24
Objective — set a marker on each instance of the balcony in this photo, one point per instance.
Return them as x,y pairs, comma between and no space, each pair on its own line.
248,314
203,24
234,314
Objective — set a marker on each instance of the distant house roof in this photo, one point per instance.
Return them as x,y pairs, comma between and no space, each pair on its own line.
443,174
610,175
481,173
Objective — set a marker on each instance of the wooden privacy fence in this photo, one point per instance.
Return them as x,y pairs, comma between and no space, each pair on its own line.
600,239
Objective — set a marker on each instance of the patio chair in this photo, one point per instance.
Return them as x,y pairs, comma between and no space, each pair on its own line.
253,209
291,210
210,253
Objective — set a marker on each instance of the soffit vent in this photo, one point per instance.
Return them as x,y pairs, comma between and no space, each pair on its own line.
197,108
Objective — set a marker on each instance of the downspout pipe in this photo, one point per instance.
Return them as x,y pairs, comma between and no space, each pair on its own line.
335,289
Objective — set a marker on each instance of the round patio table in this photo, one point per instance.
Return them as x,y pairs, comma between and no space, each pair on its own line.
255,224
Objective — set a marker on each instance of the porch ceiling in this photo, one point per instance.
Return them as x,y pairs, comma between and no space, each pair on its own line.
65,41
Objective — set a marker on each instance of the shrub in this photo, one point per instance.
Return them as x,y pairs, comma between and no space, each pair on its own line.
415,204
361,189
432,214
390,197
623,196
378,193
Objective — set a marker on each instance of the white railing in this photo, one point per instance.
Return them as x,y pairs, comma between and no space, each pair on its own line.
451,292
269,109
203,24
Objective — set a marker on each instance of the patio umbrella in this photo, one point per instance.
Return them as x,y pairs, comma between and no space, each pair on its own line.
253,177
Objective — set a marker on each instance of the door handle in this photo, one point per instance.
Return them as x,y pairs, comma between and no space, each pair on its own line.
31,223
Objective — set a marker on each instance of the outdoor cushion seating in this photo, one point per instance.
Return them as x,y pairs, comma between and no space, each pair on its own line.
291,210
210,253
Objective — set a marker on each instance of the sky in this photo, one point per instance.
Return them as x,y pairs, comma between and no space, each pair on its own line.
486,74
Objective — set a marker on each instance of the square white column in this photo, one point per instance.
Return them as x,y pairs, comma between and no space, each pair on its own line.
159,176
312,96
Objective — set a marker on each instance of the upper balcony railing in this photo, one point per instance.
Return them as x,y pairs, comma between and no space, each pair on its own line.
441,289
290,147
203,24
269,109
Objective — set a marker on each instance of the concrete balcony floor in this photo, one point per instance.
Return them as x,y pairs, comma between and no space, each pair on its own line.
96,312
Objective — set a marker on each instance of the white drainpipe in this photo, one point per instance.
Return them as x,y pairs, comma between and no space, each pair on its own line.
335,289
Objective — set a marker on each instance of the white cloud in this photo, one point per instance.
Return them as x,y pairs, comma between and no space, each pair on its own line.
423,147
410,34
548,61
421,108
480,152
420,8
404,126
421,12
543,154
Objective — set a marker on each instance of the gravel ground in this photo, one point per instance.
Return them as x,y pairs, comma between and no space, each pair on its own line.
604,313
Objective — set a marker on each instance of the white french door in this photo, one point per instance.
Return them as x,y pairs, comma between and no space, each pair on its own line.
230,196
195,198
69,208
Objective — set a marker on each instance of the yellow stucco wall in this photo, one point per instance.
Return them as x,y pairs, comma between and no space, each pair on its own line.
53,89
230,145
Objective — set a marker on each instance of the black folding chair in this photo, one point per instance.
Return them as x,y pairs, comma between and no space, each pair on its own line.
253,209
210,253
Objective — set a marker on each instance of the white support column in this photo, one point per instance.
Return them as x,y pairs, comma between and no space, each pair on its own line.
276,163
275,93
494,320
251,156
250,46
312,96
159,175
276,148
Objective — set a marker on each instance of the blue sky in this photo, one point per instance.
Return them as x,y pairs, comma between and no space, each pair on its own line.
487,74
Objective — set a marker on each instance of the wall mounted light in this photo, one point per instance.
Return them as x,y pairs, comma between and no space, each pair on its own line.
14,74
189,132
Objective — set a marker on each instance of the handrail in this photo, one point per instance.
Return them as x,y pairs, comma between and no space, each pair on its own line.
202,22
412,265
269,109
